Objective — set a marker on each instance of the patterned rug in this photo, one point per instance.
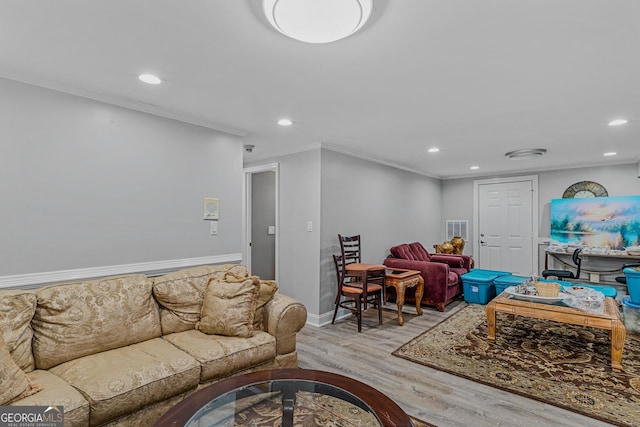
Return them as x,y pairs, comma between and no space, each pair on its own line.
562,365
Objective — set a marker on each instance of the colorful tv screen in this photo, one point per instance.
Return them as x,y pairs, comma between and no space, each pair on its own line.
605,222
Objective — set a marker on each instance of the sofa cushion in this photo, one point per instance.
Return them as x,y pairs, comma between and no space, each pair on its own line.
266,291
221,356
57,392
126,379
15,383
181,292
229,307
18,308
419,252
402,251
453,278
78,319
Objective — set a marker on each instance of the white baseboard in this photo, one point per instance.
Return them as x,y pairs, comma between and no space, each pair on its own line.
149,268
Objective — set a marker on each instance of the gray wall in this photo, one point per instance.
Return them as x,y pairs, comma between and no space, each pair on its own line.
619,180
346,195
263,215
299,192
386,206
87,184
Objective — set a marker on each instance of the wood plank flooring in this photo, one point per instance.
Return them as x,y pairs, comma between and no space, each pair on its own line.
434,396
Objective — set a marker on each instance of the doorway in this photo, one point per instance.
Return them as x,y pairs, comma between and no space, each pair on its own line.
506,224
260,226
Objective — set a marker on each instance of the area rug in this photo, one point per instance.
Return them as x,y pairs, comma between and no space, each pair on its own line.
563,365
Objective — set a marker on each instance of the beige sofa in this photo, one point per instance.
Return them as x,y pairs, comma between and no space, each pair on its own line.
123,350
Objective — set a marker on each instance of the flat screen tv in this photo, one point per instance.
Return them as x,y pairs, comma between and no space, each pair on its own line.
605,222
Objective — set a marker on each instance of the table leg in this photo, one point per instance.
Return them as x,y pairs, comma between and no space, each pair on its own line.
491,321
400,301
419,293
618,333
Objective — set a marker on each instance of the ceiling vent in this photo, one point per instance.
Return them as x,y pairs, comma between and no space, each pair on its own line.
525,154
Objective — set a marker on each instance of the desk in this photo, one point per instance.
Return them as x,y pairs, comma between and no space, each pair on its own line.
601,264
401,279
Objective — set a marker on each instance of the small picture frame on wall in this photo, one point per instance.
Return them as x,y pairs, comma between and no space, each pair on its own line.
211,208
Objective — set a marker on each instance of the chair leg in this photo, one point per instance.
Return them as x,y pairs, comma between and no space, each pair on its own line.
359,313
380,298
335,312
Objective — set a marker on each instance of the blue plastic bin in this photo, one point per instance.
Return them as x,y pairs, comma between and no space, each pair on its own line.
631,314
478,286
503,282
633,284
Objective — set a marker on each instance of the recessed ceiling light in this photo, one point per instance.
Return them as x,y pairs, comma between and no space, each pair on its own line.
433,150
474,167
618,122
285,122
528,153
610,153
150,78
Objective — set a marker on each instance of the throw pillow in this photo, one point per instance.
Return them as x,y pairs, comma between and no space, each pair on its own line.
229,307
15,383
266,292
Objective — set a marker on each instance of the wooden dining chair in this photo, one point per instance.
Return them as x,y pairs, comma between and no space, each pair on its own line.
355,293
355,269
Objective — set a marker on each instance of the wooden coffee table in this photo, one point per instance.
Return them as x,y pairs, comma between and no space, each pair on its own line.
401,279
229,399
608,320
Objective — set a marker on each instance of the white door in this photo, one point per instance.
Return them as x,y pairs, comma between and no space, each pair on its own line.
505,226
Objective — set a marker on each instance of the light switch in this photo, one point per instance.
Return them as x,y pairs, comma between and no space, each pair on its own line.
271,229
309,226
214,228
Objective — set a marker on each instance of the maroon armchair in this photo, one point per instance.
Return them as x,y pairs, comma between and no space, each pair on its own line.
441,272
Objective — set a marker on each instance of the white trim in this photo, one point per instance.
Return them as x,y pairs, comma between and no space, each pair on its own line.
374,160
149,268
246,213
534,213
124,102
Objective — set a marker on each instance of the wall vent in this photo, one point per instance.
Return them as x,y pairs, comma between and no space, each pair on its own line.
457,227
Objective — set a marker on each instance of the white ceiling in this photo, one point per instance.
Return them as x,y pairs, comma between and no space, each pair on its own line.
476,78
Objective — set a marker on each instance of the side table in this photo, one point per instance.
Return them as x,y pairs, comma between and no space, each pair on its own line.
401,279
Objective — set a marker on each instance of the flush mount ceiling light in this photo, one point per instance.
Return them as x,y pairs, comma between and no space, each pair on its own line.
150,78
285,122
317,21
433,150
527,153
618,122
610,153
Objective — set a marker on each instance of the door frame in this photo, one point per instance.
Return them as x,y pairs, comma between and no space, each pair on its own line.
534,213
246,213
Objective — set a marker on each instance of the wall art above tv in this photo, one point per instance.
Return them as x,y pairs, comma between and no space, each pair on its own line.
605,222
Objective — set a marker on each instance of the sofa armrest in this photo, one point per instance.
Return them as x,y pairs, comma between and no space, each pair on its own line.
283,318
451,260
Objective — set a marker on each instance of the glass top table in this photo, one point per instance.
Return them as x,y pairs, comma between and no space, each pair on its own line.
286,397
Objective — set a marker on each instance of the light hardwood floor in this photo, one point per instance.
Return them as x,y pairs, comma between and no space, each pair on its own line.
434,396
